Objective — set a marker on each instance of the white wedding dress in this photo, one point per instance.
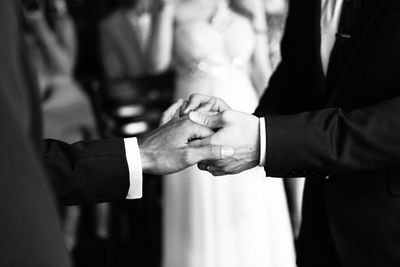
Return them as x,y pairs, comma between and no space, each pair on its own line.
230,221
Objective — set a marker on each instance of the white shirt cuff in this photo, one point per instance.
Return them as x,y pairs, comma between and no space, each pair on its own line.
263,143
135,168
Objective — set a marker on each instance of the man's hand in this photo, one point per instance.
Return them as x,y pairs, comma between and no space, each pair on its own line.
196,102
234,129
172,112
204,103
167,149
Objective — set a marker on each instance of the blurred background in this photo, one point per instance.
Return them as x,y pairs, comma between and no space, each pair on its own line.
109,68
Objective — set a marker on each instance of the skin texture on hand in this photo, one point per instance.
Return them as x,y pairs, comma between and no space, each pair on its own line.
172,112
168,149
196,102
234,129
204,103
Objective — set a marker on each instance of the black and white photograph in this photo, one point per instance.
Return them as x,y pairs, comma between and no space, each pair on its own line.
200,133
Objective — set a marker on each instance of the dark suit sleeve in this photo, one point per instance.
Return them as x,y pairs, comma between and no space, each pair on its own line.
331,141
30,233
87,171
277,98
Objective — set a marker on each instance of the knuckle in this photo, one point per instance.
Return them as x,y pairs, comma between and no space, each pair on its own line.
215,139
226,115
199,120
219,164
212,140
216,151
186,122
194,98
186,156
204,120
210,151
213,100
224,168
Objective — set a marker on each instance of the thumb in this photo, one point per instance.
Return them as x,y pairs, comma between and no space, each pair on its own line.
210,120
211,153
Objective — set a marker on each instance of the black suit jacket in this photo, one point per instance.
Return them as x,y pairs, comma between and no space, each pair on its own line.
348,131
30,234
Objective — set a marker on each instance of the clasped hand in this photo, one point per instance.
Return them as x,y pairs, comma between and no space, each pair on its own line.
234,129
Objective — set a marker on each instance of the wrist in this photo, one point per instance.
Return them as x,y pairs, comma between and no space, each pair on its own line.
250,151
256,146
146,156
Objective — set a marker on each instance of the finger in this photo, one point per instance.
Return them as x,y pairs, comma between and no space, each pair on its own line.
171,111
211,121
202,166
211,169
207,166
211,153
208,106
199,132
183,108
199,135
174,107
195,101
222,163
200,142
216,173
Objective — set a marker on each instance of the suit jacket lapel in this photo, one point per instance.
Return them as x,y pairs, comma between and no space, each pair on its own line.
369,11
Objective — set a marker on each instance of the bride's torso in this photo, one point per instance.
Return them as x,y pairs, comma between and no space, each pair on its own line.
212,56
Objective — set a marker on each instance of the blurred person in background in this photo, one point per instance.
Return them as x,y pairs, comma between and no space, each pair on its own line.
276,11
219,48
66,108
123,39
134,97
52,43
135,101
